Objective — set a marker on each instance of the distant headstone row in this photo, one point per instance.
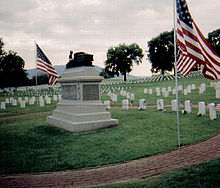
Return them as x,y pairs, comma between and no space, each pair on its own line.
160,106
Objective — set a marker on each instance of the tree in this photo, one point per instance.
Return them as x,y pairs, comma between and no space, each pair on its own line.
12,71
106,74
120,59
2,52
161,52
42,78
214,40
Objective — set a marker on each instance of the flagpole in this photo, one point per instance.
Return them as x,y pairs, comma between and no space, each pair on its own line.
36,74
175,59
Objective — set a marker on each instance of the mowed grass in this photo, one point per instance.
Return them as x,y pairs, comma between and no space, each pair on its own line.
203,175
30,145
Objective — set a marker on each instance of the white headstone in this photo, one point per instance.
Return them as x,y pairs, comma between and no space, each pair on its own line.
19,99
31,101
145,91
142,104
7,100
22,104
125,104
163,90
41,100
212,111
188,107
107,104
169,89
180,88
185,92
26,99
193,86
132,97
160,105
174,91
201,90
128,95
166,94
123,93
203,85
14,103
3,107
114,97
202,110
11,99
189,89
150,91
174,105
55,97
48,100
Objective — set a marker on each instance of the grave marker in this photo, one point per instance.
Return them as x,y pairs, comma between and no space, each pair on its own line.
142,104
107,103
160,104
188,107
202,110
125,104
174,105
212,111
3,107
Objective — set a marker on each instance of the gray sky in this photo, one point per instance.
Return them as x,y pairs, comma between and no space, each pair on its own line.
93,26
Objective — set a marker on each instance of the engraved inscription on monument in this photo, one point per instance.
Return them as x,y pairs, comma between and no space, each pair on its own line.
90,92
69,92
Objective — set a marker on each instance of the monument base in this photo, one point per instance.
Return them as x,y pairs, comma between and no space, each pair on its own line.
80,108
78,117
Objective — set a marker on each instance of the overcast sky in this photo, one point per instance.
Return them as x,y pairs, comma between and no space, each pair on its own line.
92,26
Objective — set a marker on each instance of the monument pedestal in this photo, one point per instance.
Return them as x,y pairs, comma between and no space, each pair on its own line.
80,108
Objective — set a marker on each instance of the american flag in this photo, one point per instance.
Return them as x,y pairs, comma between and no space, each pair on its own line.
193,47
44,64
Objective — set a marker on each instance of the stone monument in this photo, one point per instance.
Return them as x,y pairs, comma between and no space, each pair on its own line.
80,108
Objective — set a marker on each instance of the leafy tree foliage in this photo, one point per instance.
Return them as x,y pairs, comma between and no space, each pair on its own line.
2,52
214,40
161,52
106,74
120,59
12,73
42,78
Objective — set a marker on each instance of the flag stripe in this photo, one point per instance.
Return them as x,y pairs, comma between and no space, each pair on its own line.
193,47
44,64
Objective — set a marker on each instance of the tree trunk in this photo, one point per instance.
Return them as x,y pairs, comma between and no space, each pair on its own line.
125,77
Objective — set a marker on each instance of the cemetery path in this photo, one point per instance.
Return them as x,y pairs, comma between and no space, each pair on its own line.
23,115
141,168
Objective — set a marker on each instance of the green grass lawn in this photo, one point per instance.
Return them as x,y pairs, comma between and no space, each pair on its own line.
204,175
30,145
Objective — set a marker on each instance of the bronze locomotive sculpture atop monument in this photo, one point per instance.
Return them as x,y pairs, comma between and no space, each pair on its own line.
80,59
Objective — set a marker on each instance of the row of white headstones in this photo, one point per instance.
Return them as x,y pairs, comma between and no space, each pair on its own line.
29,100
165,92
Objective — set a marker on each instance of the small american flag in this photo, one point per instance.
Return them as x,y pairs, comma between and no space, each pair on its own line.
44,64
193,47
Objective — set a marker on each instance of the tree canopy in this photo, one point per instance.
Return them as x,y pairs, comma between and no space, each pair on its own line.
161,52
12,73
214,40
120,59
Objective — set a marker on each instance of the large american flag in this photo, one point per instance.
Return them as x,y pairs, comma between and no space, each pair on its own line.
44,64
193,47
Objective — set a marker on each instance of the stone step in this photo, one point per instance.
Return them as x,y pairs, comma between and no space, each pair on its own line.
84,117
79,127
81,108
